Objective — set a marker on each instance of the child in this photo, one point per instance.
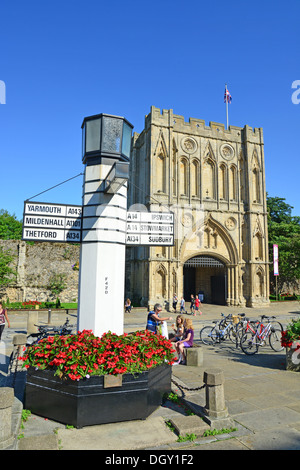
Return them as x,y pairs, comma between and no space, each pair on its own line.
128,306
182,305
186,342
179,329
197,304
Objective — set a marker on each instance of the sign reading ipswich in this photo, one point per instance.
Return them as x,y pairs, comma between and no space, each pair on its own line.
150,228
52,222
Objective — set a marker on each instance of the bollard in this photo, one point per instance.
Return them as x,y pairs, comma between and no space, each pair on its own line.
32,320
19,339
49,316
214,393
6,403
19,342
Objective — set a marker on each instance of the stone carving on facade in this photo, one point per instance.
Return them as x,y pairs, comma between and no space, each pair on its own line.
231,223
189,145
227,151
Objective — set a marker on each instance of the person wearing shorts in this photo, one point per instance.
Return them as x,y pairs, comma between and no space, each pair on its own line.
186,342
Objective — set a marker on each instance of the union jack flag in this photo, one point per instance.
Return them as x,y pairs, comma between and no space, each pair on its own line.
227,96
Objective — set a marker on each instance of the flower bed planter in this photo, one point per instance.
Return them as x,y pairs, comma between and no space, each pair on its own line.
87,402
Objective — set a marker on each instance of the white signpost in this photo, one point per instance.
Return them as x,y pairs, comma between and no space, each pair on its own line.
52,222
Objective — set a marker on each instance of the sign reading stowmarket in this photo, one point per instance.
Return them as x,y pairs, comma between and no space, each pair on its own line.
52,222
150,228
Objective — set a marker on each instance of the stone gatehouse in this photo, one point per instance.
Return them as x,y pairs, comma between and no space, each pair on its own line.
214,181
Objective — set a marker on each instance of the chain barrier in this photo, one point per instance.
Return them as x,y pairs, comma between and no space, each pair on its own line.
187,388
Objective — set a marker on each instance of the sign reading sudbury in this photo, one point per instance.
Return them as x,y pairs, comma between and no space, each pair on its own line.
52,222
150,228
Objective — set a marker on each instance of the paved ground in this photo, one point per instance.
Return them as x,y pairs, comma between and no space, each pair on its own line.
262,397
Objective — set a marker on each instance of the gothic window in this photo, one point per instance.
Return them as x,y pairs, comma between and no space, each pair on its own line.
160,282
174,179
222,182
259,283
242,177
232,183
209,179
258,253
160,174
256,185
255,178
183,177
195,178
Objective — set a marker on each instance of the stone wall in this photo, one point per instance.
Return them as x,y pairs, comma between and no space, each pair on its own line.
39,264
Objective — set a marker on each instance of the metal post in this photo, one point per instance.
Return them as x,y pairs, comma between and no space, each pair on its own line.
49,316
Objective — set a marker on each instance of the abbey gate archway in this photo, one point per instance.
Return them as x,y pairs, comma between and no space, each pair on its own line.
205,276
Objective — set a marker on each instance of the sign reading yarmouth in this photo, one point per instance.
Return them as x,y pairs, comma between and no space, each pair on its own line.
150,228
52,222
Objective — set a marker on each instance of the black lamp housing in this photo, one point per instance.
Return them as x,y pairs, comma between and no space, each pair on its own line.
105,135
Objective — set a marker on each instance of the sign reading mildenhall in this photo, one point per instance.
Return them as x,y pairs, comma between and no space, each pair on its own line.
52,222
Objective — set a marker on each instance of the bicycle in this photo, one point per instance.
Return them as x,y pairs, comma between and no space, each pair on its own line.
46,331
251,341
222,330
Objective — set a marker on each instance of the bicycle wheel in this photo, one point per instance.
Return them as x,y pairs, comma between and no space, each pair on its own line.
275,339
276,325
233,334
208,335
249,344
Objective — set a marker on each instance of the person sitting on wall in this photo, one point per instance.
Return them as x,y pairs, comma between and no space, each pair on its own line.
186,342
154,320
178,329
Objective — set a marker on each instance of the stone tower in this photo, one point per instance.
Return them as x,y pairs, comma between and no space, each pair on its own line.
213,180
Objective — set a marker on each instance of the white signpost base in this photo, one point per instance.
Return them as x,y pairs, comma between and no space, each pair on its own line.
102,258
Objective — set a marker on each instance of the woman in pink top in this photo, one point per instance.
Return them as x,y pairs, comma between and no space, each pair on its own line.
186,342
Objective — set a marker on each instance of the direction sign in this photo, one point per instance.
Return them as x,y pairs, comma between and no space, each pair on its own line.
150,228
52,222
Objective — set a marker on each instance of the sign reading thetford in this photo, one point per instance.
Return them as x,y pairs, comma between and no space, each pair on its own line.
52,222
150,228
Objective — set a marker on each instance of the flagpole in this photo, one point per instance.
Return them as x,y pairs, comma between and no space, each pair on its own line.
226,106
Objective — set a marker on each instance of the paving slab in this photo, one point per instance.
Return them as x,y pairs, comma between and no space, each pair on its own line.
268,418
39,442
189,424
283,438
129,435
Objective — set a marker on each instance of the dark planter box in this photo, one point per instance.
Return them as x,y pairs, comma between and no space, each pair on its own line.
86,402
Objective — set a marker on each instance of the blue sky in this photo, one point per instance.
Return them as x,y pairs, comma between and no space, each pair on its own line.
64,60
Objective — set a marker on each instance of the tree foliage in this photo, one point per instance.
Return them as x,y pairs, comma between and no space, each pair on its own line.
10,227
284,231
8,275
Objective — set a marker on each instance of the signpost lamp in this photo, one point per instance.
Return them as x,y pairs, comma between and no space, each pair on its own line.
106,143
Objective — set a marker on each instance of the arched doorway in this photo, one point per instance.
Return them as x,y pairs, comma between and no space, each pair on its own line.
205,275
